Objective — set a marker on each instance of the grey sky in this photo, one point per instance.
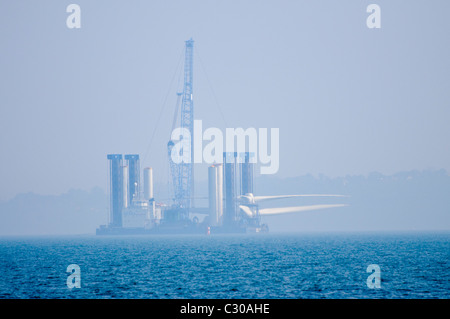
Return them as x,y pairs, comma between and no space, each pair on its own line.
347,99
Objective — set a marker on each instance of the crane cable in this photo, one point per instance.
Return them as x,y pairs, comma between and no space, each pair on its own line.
163,107
211,89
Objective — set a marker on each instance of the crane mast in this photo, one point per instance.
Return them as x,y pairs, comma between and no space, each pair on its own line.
182,173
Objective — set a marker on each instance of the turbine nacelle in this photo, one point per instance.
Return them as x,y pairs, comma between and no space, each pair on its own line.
247,199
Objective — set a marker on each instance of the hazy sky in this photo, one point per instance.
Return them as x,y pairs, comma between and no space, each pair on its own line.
347,99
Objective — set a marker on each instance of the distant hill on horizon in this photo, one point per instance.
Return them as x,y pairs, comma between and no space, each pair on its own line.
414,200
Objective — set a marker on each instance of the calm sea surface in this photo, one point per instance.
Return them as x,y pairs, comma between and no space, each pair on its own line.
413,265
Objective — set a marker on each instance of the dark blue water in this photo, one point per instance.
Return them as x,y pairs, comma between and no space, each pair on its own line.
413,265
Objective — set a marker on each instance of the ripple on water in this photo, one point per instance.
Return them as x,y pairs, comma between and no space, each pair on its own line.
272,266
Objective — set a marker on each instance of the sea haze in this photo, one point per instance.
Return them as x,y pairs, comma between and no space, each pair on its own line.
406,201
332,265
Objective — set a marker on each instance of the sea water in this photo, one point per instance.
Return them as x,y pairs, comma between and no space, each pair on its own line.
334,265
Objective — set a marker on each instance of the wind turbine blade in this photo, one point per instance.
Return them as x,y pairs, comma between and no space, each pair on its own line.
246,210
266,198
296,209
